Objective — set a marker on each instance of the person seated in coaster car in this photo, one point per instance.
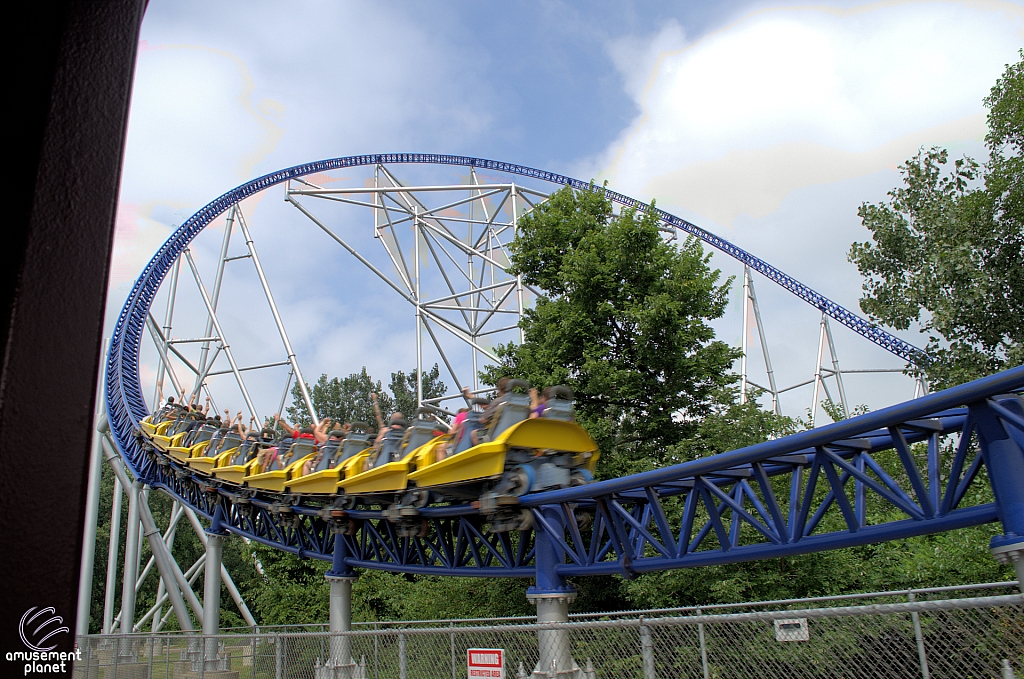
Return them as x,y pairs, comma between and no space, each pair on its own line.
162,419
514,455
201,430
492,407
230,437
539,402
454,434
388,444
465,437
184,422
322,460
505,410
318,432
301,443
252,448
165,411
247,449
268,457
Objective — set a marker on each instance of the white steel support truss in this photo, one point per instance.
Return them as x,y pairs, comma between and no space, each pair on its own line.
458,283
180,585
822,372
214,337
459,286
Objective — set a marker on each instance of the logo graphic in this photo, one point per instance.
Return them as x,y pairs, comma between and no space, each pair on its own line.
30,632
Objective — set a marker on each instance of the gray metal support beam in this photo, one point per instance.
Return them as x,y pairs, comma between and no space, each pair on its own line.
229,583
115,536
165,564
218,279
220,333
92,511
340,622
211,596
170,571
131,556
555,657
307,399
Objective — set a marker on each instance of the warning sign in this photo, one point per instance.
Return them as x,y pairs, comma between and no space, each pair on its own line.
488,663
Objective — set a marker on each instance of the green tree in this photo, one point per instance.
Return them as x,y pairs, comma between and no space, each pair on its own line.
730,425
403,389
348,399
947,248
344,400
623,320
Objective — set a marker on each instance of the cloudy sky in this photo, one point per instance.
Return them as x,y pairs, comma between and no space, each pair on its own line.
765,123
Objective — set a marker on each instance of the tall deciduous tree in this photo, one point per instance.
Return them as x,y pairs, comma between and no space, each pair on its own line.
623,320
344,400
403,388
348,399
947,248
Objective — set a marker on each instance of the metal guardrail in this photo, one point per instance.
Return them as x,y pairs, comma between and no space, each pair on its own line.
954,638
912,594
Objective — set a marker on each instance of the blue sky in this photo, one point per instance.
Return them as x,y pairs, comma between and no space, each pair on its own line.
763,122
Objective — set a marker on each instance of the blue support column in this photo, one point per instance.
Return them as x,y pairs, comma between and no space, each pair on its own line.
551,594
1003,453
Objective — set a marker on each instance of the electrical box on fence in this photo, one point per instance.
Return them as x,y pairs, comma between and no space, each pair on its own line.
792,629
485,663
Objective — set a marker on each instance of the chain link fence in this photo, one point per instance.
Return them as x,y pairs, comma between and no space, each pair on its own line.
975,637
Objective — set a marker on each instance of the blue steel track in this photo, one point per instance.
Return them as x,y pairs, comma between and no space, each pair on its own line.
911,469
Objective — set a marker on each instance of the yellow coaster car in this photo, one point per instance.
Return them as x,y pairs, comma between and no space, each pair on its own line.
149,425
192,444
159,421
223,444
283,466
384,470
530,443
235,465
516,454
173,432
330,462
157,434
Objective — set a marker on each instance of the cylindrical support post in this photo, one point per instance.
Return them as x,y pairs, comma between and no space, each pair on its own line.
922,657
211,588
403,670
115,536
341,624
279,657
92,511
131,567
647,652
552,596
225,577
703,649
1004,460
340,579
553,644
451,639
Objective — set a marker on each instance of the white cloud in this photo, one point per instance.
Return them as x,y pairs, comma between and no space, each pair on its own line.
222,96
773,129
815,94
